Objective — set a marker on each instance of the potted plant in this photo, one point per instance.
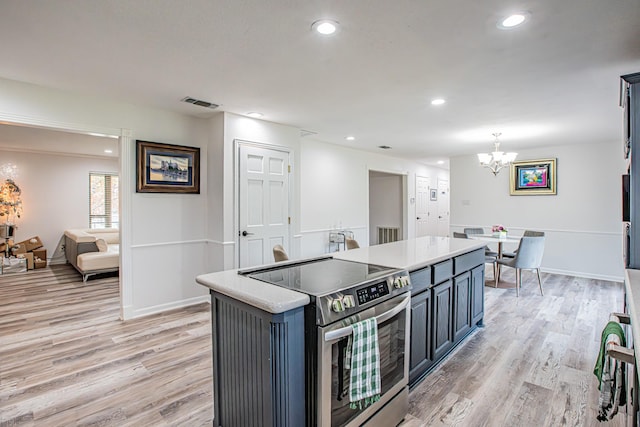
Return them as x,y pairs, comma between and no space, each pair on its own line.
499,231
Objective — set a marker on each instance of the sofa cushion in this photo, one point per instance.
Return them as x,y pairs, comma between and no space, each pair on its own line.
109,235
91,261
102,245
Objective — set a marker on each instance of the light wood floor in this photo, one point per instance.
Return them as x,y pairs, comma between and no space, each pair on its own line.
66,360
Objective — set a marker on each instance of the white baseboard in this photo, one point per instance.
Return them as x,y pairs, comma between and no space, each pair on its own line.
130,313
583,274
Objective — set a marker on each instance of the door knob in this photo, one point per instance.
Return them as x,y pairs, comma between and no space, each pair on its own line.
245,233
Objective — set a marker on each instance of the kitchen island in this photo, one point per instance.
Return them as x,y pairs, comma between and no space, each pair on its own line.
261,346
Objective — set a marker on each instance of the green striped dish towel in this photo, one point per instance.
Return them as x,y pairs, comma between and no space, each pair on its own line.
364,385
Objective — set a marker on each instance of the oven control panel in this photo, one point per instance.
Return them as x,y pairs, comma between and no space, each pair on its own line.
372,292
349,301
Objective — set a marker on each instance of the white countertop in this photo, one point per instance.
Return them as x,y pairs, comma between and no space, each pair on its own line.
270,298
409,254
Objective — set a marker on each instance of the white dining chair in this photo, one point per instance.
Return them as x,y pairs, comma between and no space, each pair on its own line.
528,257
351,243
279,254
479,230
527,233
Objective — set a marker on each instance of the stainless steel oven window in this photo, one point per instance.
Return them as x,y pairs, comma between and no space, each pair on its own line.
333,393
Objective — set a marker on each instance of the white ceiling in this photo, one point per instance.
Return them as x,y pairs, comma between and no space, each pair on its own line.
554,80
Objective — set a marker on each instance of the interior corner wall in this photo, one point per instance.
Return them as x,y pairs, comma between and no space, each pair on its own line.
55,195
168,248
216,243
335,192
583,222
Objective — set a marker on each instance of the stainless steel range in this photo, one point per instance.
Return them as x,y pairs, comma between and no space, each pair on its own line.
341,293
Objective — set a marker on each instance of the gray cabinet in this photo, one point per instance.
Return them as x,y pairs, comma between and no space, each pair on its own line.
461,305
447,303
630,98
477,295
421,355
442,324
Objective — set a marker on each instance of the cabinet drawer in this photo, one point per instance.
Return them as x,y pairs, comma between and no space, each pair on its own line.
420,280
467,261
442,271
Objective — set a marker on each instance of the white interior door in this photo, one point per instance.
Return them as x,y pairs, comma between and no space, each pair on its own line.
422,206
443,207
263,203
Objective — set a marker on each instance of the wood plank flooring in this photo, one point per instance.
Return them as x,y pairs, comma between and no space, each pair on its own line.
532,363
66,359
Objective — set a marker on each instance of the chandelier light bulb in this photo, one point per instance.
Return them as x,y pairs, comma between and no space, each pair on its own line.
496,160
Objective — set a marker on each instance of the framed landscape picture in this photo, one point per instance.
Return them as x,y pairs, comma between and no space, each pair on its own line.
166,168
533,177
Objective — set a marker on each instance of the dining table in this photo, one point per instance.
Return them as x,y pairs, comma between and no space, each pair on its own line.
500,240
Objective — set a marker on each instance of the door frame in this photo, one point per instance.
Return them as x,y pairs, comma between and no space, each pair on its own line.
237,143
404,176
126,162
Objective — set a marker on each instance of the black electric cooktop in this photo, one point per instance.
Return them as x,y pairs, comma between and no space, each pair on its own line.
321,276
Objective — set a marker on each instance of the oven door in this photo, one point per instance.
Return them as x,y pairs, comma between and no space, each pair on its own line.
333,377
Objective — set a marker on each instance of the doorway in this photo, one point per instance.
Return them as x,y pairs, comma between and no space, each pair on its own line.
263,202
42,147
387,203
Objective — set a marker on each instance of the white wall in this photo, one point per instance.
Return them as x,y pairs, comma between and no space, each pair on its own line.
163,246
335,191
55,194
239,128
168,239
582,222
385,204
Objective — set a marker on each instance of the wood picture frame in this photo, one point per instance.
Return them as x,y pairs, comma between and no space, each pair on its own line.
167,168
533,178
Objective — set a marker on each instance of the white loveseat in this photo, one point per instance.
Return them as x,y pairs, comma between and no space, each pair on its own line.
93,250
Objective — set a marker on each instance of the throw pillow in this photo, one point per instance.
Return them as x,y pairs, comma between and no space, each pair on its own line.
102,245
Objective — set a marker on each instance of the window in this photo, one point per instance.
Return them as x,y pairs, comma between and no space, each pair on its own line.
103,200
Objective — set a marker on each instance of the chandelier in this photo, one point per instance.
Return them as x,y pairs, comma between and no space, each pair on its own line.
497,159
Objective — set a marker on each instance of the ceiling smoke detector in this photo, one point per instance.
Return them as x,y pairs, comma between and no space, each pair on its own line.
199,102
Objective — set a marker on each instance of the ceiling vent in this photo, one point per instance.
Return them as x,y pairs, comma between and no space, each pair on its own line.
304,133
384,147
200,103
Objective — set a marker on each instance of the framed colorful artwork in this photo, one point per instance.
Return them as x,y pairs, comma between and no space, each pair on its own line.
165,168
533,177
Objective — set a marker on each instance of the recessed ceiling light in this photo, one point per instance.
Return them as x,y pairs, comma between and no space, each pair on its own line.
326,27
108,151
438,101
350,138
513,20
441,162
254,115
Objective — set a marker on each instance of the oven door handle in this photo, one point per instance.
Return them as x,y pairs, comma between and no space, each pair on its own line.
348,330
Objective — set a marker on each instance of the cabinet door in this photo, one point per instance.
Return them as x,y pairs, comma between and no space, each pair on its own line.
442,321
420,351
477,295
461,305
